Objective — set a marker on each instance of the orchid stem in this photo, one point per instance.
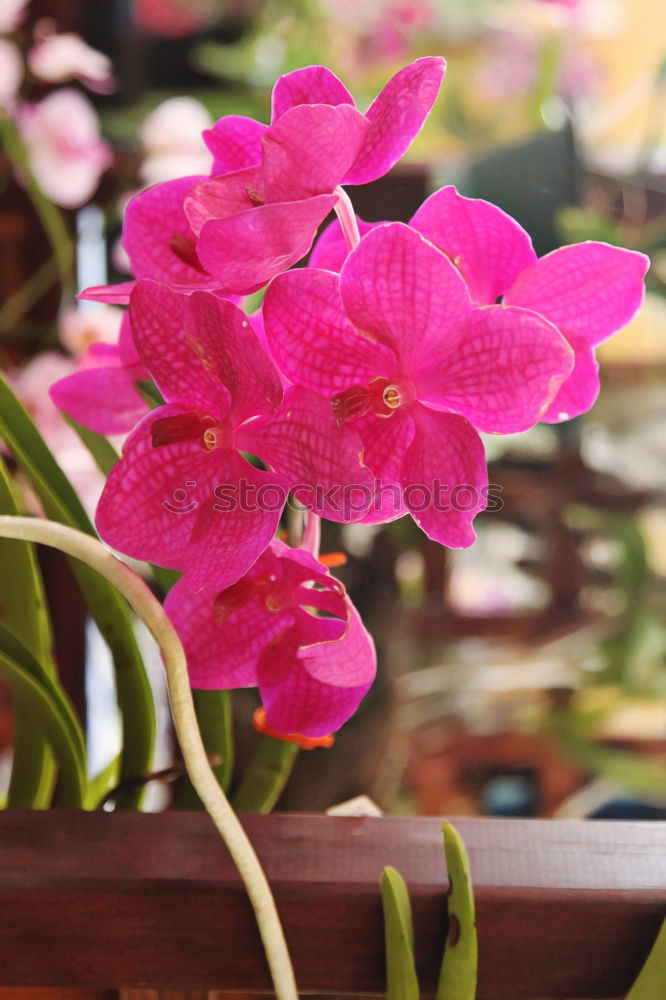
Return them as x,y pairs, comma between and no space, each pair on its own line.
347,216
91,551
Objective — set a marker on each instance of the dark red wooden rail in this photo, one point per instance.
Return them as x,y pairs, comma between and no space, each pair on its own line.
100,901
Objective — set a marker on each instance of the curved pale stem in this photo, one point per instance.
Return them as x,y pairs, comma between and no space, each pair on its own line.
345,213
89,550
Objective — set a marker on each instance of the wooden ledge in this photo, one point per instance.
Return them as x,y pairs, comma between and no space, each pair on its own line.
98,901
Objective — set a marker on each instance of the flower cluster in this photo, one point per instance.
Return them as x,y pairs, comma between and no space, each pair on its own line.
359,388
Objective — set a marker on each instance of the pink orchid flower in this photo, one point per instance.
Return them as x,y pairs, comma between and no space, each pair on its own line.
171,136
588,290
57,58
408,360
159,243
277,183
183,495
66,152
265,631
12,14
102,393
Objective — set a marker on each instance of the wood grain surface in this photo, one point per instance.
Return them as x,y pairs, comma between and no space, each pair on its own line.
565,909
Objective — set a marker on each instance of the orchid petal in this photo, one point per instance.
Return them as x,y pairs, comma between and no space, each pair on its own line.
330,250
222,655
505,372
310,337
309,150
229,351
158,239
159,316
396,117
588,290
321,461
105,399
235,142
489,248
313,691
310,85
385,444
579,392
220,197
397,288
444,476
118,294
185,508
246,250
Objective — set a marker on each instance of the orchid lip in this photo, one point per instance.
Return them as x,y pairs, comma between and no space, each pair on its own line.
379,396
185,250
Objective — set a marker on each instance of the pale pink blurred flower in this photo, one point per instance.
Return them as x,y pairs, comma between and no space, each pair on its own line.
12,13
59,58
79,328
508,68
171,138
67,153
571,4
11,73
32,385
173,18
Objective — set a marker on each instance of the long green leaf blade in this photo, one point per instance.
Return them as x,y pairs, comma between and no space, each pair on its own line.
107,608
12,646
23,610
651,981
457,979
102,451
401,980
37,704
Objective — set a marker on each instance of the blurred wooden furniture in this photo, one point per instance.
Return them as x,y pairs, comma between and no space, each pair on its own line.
97,901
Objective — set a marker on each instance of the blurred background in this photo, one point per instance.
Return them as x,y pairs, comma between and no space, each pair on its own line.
525,676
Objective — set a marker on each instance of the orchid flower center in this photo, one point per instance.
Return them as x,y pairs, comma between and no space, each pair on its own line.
190,426
255,196
379,396
185,250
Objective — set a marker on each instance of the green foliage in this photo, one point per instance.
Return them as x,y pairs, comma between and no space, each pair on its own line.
401,981
23,614
457,980
43,704
106,606
651,981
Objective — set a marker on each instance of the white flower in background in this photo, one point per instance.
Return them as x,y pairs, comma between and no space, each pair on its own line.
171,138
12,13
58,58
79,328
67,153
32,385
11,73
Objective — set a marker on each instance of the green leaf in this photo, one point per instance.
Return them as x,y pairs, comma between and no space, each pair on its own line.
23,610
651,982
457,980
215,720
101,449
266,777
38,705
102,783
12,646
401,980
106,606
